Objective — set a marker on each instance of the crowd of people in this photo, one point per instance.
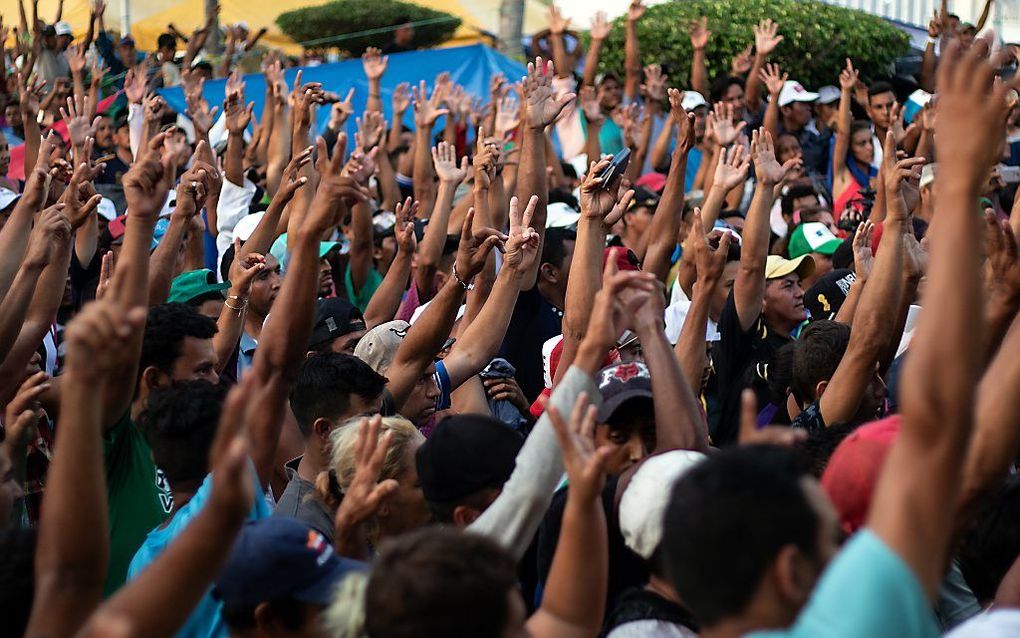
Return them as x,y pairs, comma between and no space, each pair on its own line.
589,355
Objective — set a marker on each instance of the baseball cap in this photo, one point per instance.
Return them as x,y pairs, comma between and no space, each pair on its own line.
334,318
282,255
466,453
127,41
829,94
644,197
692,100
776,266
379,345
8,198
106,209
824,299
794,92
49,30
63,28
643,504
279,558
193,284
561,215
621,382
247,224
384,224
624,257
813,237
655,182
852,473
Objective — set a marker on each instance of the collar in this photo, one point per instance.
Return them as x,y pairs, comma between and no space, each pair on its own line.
248,344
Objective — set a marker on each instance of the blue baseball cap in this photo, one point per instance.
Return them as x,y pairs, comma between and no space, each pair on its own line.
278,557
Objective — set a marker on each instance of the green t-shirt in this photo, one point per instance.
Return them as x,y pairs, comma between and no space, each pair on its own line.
372,283
138,494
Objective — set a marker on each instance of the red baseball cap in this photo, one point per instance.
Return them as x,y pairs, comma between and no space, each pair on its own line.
624,257
852,473
652,181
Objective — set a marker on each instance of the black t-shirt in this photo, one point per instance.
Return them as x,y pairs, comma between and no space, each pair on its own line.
640,604
738,356
626,569
810,419
534,322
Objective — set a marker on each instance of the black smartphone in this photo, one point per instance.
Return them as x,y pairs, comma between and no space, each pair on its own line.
616,168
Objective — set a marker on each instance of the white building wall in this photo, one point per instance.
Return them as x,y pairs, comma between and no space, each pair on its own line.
1004,17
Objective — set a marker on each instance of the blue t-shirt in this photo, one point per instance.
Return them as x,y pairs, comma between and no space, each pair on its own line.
867,591
205,620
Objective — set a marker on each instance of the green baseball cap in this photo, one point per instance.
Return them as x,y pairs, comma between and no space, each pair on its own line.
813,237
193,284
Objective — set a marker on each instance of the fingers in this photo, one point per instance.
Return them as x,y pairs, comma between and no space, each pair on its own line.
748,416
529,211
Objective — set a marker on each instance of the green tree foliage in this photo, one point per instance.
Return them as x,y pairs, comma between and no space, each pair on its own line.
333,20
818,38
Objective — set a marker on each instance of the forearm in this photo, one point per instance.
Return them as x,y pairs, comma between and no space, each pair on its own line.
387,179
480,341
666,221
531,180
690,349
749,286
752,93
431,249
660,149
386,300
33,137
233,163
699,73
424,188
712,206
585,280
279,149
15,305
631,61
1000,309
560,60
229,326
849,307
591,63
13,240
592,145
360,261
86,240
678,421
164,260
772,116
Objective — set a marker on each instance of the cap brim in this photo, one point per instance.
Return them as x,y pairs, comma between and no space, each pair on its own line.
322,591
326,246
829,247
610,405
803,266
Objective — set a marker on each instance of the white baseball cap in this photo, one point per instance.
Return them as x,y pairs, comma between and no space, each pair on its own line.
246,225
106,209
560,215
829,94
643,504
794,92
692,100
63,28
7,197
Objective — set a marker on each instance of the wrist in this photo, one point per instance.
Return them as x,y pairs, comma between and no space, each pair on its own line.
590,353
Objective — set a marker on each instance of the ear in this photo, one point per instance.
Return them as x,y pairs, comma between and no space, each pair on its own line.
793,576
820,388
548,272
263,615
464,516
152,378
322,428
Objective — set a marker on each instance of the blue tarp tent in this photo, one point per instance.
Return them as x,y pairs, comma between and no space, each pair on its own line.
470,66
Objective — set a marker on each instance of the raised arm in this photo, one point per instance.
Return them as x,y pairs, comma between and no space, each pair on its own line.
50,224
426,112
923,468
374,63
731,167
632,51
847,82
668,215
386,300
73,546
927,77
875,320
558,25
430,252
773,80
600,29
765,42
700,36
14,234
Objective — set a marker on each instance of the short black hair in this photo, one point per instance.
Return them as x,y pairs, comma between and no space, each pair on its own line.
711,510
17,577
992,547
439,582
166,40
795,192
165,330
816,355
179,423
819,447
325,384
879,88
564,196
288,612
553,249
723,84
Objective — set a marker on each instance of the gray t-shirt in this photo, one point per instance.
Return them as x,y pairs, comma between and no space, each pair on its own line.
299,501
50,66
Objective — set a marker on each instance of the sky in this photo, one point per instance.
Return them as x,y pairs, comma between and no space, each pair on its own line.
580,11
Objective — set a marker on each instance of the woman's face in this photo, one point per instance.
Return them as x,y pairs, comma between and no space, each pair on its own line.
734,96
787,148
861,146
405,508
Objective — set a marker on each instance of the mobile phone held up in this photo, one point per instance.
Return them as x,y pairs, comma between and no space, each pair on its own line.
616,169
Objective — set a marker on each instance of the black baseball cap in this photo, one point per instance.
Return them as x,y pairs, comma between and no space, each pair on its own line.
281,558
619,383
334,318
466,453
824,299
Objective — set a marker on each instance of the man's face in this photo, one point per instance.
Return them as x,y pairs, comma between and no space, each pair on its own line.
610,94
10,491
564,269
827,113
630,442
346,344
734,96
736,222
122,137
421,404
873,399
700,121
63,41
880,109
265,287
797,114
196,362
50,42
5,155
806,201
12,114
384,253
104,133
325,277
784,301
639,219
211,308
722,291
127,55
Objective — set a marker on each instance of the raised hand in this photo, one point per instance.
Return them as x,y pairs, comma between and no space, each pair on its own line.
742,62
135,84
341,111
685,137
50,230
444,157
708,262
474,248
80,195
774,79
95,338
522,243
543,107
557,23
148,181
654,87
733,166
699,33
769,171
371,129
77,118
751,434
506,116
765,38
597,201
485,160
236,115
406,213
22,414
1002,267
335,185
848,77
590,105
361,166
243,269
201,115
600,26
724,131
895,174
635,11
75,56
426,109
616,305
864,257
106,269
374,63
29,96
366,492
195,186
585,465
401,98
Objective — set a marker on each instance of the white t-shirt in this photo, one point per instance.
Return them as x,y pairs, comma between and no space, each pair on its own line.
996,623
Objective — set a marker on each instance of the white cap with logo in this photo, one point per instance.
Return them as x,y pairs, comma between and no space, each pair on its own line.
794,92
